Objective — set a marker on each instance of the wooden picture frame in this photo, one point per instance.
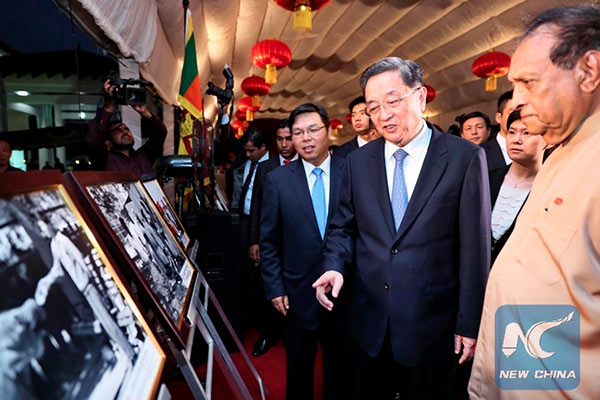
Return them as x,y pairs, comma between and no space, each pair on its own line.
164,207
149,254
69,326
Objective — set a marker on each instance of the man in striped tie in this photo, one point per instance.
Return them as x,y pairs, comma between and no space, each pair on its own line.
298,201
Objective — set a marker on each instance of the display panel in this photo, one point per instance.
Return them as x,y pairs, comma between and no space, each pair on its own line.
148,242
166,211
69,328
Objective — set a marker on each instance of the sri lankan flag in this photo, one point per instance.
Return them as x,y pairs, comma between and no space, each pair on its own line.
190,92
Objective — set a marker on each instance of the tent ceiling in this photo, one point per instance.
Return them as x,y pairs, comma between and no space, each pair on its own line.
443,36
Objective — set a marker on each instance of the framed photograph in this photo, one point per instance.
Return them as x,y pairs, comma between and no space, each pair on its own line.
166,211
130,220
69,328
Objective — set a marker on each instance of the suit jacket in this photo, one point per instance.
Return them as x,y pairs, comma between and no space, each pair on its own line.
427,280
257,195
493,154
238,184
290,242
346,148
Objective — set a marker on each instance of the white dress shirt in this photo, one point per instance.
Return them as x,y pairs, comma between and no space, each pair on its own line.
361,141
248,199
502,143
416,149
311,178
281,159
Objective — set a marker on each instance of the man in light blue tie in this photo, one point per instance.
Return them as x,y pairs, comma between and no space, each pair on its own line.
298,201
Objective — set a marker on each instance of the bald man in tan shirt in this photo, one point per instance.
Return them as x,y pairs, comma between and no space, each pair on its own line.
539,336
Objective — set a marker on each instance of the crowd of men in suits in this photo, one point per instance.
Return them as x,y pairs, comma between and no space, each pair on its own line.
380,250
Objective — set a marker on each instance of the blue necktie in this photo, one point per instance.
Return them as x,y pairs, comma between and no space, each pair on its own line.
318,200
399,194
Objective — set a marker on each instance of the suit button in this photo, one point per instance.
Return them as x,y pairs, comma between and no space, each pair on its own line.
394,251
386,286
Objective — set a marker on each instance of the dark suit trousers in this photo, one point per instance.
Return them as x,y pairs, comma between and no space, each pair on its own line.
301,349
381,377
262,314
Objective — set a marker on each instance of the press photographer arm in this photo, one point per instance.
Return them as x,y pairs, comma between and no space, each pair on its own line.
101,141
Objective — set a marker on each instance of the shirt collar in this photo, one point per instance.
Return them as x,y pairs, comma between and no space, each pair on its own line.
414,148
293,158
325,166
361,141
501,141
264,158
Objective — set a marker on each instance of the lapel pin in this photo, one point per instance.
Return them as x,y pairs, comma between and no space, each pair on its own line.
558,201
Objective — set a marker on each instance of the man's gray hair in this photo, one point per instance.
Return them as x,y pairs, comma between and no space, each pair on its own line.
410,72
577,30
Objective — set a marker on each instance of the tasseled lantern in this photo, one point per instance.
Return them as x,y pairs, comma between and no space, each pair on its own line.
490,67
270,55
241,115
430,94
336,125
238,126
245,104
255,86
302,11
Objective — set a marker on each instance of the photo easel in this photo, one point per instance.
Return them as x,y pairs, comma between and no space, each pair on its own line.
199,318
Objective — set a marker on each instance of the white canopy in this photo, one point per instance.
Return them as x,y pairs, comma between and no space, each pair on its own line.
443,36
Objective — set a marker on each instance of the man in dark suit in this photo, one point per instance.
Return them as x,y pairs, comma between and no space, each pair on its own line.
409,244
267,321
299,199
495,148
360,124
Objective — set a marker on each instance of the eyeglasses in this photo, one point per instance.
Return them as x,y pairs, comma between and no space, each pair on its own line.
313,130
391,103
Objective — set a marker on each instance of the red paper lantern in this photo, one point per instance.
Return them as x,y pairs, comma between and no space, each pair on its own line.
302,9
241,115
271,55
245,104
490,67
239,127
255,86
349,118
336,125
430,94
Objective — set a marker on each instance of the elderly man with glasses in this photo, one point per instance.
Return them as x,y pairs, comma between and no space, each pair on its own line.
409,246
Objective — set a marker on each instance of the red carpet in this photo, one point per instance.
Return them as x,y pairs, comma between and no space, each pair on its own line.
270,367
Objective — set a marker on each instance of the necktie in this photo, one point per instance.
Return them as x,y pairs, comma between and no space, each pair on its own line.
318,200
247,186
399,194
286,162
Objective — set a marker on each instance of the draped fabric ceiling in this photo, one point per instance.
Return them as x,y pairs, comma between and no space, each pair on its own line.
443,36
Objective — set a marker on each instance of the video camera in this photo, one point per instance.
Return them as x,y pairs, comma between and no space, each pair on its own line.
124,93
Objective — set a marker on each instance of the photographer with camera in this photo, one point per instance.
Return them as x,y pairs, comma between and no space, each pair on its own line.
111,142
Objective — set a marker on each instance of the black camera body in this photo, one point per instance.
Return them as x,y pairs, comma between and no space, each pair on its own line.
125,94
223,96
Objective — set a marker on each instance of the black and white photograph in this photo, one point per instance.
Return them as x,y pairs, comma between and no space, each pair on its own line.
148,243
67,330
166,211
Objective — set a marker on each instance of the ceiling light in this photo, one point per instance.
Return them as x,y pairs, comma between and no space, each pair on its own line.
81,115
22,93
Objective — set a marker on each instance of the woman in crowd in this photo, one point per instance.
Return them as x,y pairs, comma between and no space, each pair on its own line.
510,185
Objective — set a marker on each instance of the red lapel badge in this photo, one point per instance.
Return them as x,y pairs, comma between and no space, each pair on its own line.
558,201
